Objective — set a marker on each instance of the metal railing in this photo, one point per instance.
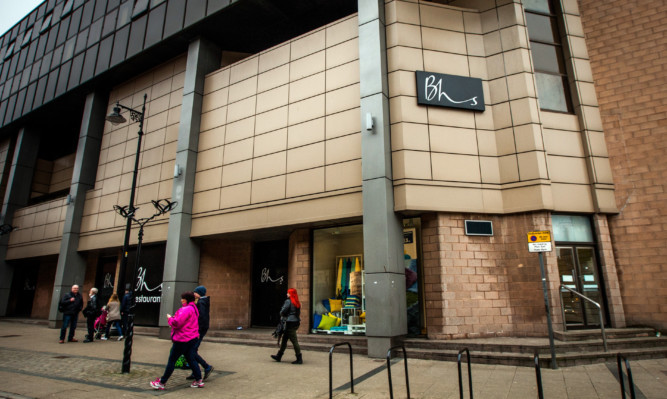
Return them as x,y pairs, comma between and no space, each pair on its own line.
405,361
458,360
631,384
538,376
331,368
584,297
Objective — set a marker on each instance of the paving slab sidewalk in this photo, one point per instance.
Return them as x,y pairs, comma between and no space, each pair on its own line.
35,365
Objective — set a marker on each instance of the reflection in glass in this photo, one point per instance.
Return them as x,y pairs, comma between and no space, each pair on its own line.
577,268
552,92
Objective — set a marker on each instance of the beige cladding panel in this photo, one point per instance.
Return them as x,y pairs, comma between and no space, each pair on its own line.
506,149
291,126
163,87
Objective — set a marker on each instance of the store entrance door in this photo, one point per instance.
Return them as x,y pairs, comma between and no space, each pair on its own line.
578,270
269,281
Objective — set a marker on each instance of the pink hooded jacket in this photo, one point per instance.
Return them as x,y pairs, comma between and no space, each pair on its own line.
185,323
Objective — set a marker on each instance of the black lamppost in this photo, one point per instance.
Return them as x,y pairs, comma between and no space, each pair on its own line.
115,118
162,207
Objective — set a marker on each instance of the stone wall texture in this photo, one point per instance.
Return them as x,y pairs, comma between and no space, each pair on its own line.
627,44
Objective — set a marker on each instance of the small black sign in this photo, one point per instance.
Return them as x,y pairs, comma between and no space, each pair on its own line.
449,91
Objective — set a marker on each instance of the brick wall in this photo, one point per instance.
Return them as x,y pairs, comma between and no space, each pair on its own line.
486,286
225,269
298,273
627,45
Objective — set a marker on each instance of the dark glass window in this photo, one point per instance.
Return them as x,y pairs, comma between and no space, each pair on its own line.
547,50
26,38
10,50
140,8
68,7
46,24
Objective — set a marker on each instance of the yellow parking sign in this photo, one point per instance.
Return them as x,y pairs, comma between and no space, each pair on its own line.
539,236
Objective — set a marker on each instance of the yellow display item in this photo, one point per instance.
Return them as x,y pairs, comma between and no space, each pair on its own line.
335,305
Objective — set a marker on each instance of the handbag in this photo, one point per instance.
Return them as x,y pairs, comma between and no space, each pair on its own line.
279,331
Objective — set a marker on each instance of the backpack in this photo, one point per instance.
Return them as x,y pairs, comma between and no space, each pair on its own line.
61,307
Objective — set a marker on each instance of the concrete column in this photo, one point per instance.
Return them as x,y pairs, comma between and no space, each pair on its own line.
71,268
181,265
16,196
383,233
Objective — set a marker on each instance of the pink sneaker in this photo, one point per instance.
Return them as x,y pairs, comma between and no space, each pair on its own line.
197,384
157,385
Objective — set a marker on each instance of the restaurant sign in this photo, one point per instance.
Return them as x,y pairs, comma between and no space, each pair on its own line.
451,91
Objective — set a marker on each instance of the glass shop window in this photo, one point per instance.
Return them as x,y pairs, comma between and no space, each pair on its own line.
546,48
338,287
338,291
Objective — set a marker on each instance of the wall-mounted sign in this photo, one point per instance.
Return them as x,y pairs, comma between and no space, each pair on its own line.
449,91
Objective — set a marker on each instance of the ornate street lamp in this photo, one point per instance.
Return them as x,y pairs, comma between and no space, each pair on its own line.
162,207
6,229
115,118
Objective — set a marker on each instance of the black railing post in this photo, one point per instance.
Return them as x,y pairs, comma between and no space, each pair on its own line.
331,368
405,361
458,360
631,384
538,376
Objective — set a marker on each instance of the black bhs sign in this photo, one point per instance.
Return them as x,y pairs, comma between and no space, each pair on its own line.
449,91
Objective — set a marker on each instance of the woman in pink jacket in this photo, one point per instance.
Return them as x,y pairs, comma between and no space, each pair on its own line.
184,335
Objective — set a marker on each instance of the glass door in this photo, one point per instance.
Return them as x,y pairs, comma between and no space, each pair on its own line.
577,267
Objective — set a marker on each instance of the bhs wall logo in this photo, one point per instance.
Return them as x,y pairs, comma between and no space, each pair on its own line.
449,91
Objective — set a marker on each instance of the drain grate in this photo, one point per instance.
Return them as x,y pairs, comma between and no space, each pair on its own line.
9,336
61,357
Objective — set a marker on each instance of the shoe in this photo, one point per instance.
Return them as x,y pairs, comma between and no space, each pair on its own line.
120,338
73,340
299,360
62,341
104,338
277,357
197,384
85,341
190,377
207,371
157,385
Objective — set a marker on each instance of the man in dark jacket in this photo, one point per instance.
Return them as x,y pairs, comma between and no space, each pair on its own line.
70,305
204,307
92,311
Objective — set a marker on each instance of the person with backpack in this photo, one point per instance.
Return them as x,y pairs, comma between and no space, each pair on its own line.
70,305
204,307
184,336
91,311
291,312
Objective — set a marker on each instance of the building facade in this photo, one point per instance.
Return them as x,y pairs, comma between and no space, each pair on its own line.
390,160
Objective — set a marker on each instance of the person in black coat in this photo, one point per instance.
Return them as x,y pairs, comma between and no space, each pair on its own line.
92,311
71,304
290,313
204,308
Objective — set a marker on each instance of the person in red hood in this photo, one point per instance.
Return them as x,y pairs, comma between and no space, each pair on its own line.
184,336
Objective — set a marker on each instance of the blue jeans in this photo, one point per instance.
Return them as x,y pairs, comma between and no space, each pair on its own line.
198,359
178,349
71,320
118,326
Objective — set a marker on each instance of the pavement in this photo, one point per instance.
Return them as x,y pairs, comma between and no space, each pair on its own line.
34,365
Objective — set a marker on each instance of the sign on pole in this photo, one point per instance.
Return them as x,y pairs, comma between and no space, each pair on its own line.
539,241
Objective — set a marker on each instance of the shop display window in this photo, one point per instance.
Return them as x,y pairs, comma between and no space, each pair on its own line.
338,280
338,294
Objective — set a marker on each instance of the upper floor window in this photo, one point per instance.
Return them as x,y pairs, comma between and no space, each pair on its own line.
547,50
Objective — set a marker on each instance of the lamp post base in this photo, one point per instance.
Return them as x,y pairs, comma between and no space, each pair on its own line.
127,352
